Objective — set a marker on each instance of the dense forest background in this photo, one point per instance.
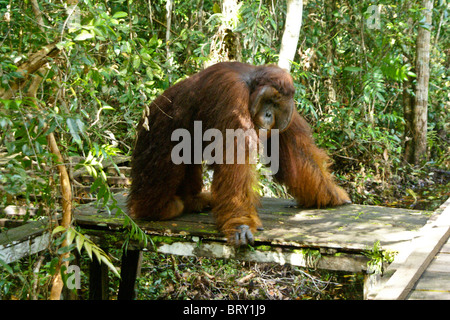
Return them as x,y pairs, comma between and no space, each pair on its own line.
76,75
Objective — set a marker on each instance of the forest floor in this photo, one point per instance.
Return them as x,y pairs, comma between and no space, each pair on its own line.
200,278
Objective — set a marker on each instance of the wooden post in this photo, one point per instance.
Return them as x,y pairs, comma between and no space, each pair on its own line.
98,280
131,267
371,283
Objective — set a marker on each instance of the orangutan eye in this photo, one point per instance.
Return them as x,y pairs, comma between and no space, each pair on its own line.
270,105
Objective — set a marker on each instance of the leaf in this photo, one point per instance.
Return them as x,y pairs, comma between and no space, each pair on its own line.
58,229
80,241
53,264
386,155
97,253
119,14
96,184
88,248
84,35
73,129
64,250
412,193
80,125
380,97
64,44
353,69
216,8
136,61
106,260
6,266
71,233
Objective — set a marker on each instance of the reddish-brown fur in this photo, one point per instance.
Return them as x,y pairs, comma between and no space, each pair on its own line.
220,97
304,168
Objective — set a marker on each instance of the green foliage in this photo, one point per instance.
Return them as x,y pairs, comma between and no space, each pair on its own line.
378,258
171,277
82,242
24,129
352,82
135,233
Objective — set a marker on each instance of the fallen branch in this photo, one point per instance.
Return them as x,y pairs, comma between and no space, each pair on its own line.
29,67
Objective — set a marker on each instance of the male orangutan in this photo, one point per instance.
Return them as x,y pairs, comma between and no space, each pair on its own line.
228,95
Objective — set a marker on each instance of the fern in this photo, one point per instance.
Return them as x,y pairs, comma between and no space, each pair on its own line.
81,241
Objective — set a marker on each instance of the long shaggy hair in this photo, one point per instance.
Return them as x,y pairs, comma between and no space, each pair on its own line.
220,97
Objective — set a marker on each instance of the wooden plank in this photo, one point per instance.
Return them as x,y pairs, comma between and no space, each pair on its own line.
446,248
429,295
434,284
279,255
350,228
441,263
11,223
110,180
25,240
439,281
426,246
340,234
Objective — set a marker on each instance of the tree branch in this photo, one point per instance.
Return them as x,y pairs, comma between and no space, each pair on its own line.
34,63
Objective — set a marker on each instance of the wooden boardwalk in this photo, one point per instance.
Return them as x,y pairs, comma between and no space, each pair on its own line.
423,271
341,239
342,236
434,283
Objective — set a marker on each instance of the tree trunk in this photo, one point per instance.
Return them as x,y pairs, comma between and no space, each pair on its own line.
66,194
331,52
169,7
408,107
66,188
200,15
291,33
416,151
